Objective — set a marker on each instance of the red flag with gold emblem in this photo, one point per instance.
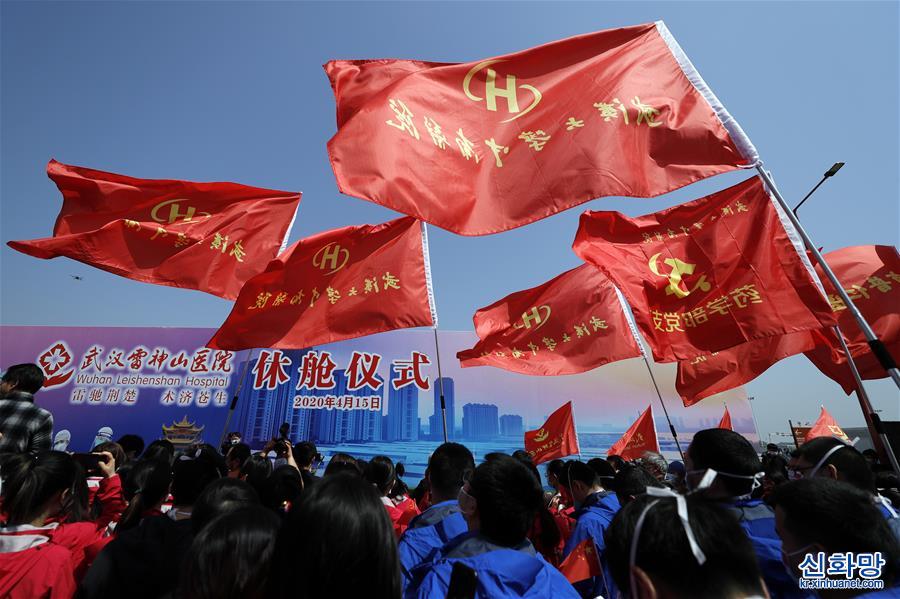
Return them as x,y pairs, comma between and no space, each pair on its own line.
582,563
490,145
335,285
640,437
871,276
570,324
206,236
709,274
555,439
826,426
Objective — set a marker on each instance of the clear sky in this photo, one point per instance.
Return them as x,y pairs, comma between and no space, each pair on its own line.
234,91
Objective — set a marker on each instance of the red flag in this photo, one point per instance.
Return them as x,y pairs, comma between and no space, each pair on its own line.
725,422
572,323
335,285
826,426
720,371
640,437
206,236
709,274
487,146
556,439
582,563
871,276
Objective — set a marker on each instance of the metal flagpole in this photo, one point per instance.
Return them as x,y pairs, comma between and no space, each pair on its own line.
432,304
234,399
437,350
873,421
875,344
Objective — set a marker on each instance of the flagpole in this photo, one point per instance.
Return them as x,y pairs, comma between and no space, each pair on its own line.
437,351
873,421
234,399
432,305
875,344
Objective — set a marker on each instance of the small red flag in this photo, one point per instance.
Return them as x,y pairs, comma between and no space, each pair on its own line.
871,276
335,285
206,236
725,422
709,274
556,439
572,323
640,437
486,146
826,426
582,563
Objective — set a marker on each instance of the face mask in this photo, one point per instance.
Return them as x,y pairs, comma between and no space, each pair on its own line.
467,504
709,475
787,564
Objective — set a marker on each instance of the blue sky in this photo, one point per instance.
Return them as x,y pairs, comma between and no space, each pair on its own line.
235,91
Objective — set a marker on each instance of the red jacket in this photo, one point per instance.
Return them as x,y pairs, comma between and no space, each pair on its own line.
33,567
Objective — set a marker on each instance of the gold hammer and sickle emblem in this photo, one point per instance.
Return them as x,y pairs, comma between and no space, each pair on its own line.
541,436
676,276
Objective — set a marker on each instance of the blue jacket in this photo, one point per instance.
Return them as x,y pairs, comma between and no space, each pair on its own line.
503,572
428,532
758,521
593,518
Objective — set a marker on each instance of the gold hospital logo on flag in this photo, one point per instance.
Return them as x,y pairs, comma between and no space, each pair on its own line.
331,257
677,285
536,317
509,92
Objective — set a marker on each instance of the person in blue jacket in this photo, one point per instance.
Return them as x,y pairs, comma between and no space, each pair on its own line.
499,504
818,518
448,467
723,466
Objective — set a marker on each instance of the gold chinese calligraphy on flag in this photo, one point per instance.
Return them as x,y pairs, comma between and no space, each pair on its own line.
486,146
335,285
206,236
709,274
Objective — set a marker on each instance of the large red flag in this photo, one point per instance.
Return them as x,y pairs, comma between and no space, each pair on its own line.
640,437
335,285
486,146
556,439
572,323
725,422
206,236
871,276
826,426
582,563
709,274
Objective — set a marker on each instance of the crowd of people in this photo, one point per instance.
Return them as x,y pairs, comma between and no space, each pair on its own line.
231,522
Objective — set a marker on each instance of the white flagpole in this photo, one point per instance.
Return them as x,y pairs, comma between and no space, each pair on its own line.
434,319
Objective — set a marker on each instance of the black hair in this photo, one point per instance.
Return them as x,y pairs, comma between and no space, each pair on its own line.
304,453
146,485
189,478
522,455
380,472
851,465
549,531
255,470
239,452
342,462
30,481
617,462
604,470
664,554
26,377
220,497
400,488
130,443
776,470
526,461
508,497
632,481
282,489
556,468
448,467
160,449
231,557
208,453
578,471
840,518
115,449
314,558
725,451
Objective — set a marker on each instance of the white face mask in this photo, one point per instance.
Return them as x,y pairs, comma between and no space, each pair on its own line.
709,475
467,504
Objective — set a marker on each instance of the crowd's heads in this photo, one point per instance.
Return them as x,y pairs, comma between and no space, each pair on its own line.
255,470
380,472
655,464
824,515
282,489
664,564
580,479
231,557
307,456
190,478
448,467
132,445
675,474
342,462
27,378
236,456
39,486
732,457
632,482
221,496
146,486
831,458
314,558
555,469
617,461
501,500
160,449
604,470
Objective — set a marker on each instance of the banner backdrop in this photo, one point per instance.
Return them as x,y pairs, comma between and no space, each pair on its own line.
377,395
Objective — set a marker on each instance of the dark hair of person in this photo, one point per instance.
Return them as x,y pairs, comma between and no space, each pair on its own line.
526,461
776,470
549,531
556,468
522,455
160,449
850,464
839,517
632,481
147,484
255,470
725,451
617,461
304,453
239,452
604,470
888,485
189,478
26,377
131,443
508,497
205,451
664,554
380,472
342,462
314,558
220,497
231,557
400,488
282,489
115,449
578,471
448,467
30,481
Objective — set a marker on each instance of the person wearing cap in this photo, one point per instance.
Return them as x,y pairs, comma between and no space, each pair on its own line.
675,475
